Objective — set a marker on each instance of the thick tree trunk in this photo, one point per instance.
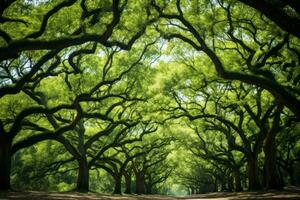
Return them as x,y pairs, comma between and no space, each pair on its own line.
271,174
83,177
83,174
5,162
253,176
140,184
237,180
117,189
127,183
270,149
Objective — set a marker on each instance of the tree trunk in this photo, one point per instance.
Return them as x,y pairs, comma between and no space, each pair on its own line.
223,184
140,185
271,174
83,177
291,175
230,183
192,190
118,180
83,174
127,183
253,177
189,191
280,175
148,188
270,150
215,185
237,180
5,162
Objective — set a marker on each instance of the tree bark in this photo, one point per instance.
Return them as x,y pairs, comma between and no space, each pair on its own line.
277,15
5,162
127,183
140,184
83,177
270,149
254,183
271,173
118,180
230,184
215,185
237,180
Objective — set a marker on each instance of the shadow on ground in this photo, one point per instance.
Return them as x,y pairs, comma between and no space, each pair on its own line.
287,194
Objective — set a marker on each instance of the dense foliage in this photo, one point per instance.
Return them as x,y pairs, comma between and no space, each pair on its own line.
155,96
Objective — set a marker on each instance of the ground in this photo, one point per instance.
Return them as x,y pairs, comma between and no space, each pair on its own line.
288,194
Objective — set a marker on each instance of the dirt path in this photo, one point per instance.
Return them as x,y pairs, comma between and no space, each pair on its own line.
32,195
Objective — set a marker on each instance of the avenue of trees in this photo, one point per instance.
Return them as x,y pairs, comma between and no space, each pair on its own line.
155,96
